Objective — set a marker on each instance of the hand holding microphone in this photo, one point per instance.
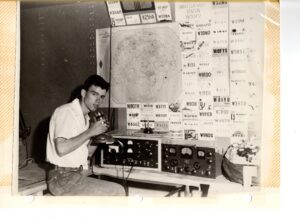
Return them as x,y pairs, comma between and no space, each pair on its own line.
98,124
101,125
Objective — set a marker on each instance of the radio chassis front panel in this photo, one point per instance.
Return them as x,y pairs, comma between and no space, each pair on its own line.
137,152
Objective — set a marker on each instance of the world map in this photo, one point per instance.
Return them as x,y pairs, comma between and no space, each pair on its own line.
146,64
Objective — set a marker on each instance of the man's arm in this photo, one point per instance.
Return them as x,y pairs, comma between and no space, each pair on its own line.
65,146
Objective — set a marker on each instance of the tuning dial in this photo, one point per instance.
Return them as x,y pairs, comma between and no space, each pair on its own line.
187,169
130,160
194,171
174,162
196,165
208,172
209,161
209,154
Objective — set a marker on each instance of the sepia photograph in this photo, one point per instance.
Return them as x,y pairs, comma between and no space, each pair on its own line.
151,99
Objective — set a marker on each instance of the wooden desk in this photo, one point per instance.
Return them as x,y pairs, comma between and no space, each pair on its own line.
220,185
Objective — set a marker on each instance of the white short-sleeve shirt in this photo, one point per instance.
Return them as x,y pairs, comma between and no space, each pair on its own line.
68,121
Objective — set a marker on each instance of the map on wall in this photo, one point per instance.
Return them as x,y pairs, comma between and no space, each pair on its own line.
146,64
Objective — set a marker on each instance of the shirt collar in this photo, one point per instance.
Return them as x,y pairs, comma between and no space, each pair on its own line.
79,113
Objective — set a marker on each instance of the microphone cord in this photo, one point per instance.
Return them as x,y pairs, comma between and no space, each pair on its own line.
124,180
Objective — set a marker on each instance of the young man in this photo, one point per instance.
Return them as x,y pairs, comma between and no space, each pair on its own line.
68,140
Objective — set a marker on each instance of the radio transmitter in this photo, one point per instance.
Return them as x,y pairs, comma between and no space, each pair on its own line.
139,152
189,160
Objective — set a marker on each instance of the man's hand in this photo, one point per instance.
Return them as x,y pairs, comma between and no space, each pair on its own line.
98,127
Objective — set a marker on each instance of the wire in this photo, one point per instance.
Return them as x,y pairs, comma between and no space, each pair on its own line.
125,183
123,172
176,190
125,180
109,91
129,173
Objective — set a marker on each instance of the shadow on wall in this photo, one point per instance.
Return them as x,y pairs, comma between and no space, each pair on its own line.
40,141
76,93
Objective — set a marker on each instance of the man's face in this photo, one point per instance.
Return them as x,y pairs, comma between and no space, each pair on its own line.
93,97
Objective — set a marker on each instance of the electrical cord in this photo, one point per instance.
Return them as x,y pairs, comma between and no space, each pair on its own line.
129,173
125,180
176,190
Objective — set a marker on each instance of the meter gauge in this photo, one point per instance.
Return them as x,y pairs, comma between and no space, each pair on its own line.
172,151
186,153
113,149
201,154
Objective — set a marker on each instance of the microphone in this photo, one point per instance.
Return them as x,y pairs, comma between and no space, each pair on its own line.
102,138
120,143
99,116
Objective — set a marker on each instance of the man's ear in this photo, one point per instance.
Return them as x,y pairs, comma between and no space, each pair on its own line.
83,93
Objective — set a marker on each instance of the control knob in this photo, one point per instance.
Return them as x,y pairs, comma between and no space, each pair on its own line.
196,165
174,162
187,169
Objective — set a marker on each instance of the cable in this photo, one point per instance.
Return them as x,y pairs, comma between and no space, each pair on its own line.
125,180
177,189
109,91
129,173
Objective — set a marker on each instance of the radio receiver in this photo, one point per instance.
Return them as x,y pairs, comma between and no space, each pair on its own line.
189,160
128,151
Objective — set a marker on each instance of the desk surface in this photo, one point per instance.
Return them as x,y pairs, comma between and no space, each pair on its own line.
218,185
31,177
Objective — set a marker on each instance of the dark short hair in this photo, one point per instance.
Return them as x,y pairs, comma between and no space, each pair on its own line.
95,80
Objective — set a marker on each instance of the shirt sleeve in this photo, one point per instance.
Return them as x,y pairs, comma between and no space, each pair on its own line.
64,122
